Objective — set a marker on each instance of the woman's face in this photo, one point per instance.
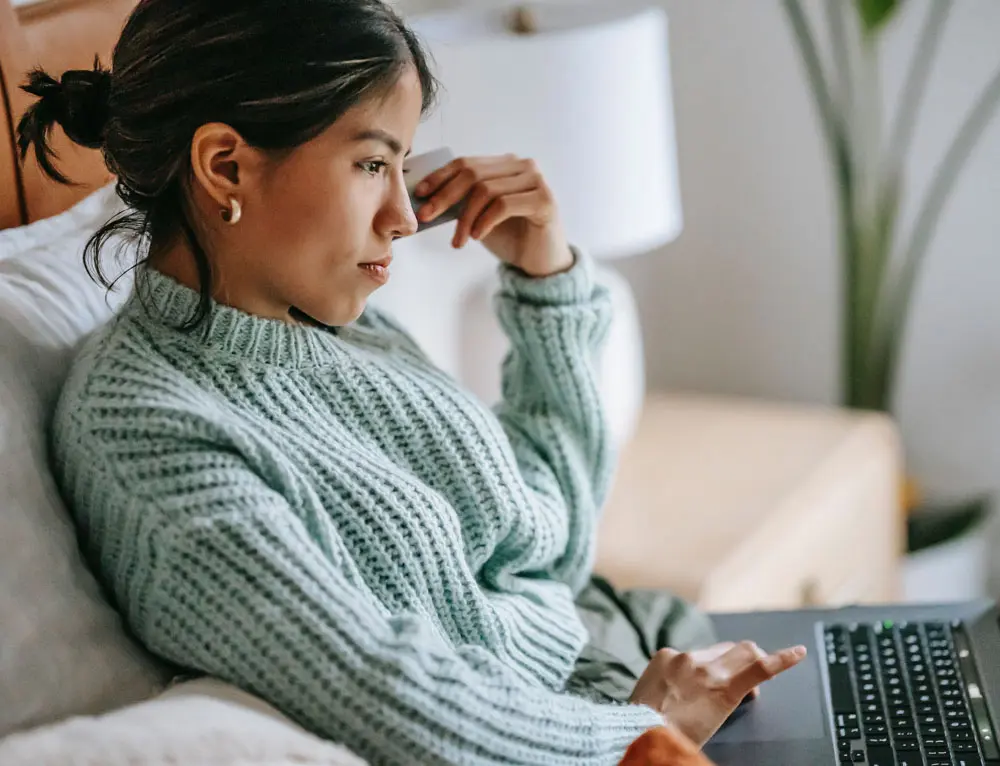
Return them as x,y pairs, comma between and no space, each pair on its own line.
314,221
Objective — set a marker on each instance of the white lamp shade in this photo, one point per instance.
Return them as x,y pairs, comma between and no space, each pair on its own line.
587,96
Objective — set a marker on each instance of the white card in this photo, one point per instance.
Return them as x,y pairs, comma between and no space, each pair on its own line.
417,169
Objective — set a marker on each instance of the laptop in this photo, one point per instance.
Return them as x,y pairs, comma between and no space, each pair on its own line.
882,686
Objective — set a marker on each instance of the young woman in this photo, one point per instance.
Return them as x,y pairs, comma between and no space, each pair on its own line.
276,485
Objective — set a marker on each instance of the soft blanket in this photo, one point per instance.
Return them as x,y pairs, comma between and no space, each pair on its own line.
206,722
196,723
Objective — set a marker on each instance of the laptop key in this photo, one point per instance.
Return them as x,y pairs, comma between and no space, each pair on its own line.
935,742
842,697
847,719
881,756
905,745
873,718
964,746
951,694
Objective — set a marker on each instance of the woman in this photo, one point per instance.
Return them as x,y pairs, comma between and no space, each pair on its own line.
276,485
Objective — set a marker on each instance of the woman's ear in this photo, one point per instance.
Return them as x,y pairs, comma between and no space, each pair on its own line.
223,164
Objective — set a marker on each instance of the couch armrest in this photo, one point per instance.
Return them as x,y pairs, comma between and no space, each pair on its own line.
740,504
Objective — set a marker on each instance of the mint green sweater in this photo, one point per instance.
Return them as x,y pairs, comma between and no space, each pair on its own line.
327,520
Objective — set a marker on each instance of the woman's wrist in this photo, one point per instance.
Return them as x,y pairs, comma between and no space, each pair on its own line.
572,285
551,266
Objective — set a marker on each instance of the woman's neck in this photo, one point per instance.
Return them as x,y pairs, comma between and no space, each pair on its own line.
178,262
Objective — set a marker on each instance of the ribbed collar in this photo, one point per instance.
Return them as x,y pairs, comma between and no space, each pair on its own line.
164,303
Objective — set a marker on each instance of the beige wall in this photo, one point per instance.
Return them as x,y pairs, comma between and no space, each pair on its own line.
745,301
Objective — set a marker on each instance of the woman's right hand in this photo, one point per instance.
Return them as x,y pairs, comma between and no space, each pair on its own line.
697,691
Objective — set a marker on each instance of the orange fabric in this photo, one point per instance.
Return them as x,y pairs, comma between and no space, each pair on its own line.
58,35
663,746
12,209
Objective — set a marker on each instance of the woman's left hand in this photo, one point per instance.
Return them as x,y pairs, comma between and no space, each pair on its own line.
509,208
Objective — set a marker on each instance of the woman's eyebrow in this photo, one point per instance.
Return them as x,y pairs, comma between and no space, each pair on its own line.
375,134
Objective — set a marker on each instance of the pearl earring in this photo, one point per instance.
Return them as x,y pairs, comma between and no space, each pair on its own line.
233,214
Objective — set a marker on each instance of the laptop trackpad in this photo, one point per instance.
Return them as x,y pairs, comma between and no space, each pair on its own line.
790,707
814,752
784,727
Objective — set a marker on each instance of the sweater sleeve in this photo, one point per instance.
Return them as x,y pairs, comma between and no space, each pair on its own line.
225,578
550,406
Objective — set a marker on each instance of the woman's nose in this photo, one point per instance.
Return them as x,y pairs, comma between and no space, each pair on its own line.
399,217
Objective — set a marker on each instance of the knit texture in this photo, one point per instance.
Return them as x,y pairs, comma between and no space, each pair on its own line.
324,518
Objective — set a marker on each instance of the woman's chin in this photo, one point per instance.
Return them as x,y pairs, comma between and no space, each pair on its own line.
328,316
347,312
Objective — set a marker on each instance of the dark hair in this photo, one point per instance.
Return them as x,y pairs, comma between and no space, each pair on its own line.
277,71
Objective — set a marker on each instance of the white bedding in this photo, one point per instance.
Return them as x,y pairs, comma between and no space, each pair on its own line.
196,723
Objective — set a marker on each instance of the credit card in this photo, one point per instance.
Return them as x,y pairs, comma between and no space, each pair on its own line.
418,168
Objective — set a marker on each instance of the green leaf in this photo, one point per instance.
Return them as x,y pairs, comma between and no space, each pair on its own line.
875,13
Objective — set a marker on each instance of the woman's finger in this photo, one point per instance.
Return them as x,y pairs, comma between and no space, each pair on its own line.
755,692
446,186
482,195
765,668
436,179
511,206
709,653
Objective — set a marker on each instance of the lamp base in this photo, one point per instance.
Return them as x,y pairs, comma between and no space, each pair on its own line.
621,365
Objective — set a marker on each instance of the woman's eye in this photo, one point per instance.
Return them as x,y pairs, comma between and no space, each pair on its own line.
374,167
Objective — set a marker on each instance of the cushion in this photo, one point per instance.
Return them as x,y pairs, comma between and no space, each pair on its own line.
63,649
197,723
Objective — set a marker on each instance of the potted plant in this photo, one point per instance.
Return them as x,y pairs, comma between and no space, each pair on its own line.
880,262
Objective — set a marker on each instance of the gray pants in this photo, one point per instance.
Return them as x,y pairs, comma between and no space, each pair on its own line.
626,628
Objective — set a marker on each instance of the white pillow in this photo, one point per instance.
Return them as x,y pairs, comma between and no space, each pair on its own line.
197,723
63,650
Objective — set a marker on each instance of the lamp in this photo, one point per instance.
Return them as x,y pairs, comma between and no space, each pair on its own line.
584,89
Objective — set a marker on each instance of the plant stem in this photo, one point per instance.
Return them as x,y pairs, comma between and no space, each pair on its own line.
867,180
916,250
891,191
916,81
814,70
841,60
840,160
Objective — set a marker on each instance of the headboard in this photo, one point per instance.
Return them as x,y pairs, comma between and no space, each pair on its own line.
56,35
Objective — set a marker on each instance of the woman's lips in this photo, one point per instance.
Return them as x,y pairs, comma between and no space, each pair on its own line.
377,271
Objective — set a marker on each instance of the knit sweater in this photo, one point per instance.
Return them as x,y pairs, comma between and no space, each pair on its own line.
324,518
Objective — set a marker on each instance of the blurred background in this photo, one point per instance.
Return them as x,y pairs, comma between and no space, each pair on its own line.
747,302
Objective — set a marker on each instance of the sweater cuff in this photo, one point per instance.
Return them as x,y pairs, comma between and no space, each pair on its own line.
576,285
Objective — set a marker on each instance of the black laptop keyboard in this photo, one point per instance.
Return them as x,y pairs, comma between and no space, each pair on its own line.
907,694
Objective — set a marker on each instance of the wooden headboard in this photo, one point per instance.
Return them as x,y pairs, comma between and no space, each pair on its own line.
56,35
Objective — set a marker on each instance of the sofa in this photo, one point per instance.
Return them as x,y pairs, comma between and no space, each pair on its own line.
75,688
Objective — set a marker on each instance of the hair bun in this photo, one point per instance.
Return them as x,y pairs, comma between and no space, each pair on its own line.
78,101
